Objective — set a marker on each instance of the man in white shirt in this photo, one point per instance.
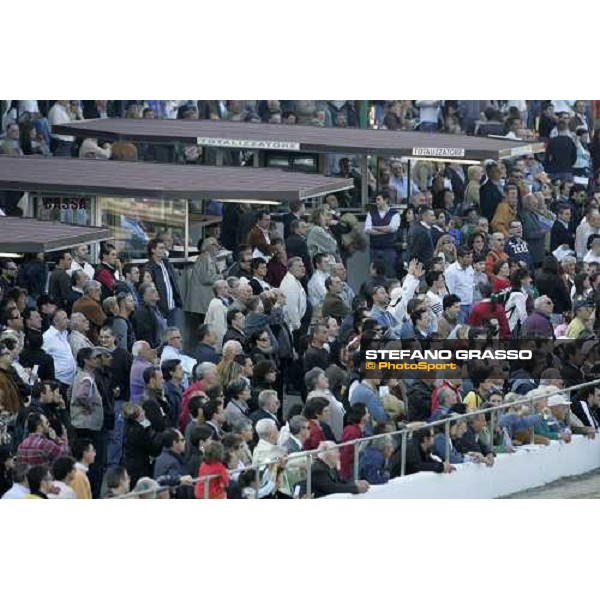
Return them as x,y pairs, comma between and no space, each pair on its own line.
59,114
589,225
400,182
460,280
56,344
316,285
172,351
294,292
19,489
80,261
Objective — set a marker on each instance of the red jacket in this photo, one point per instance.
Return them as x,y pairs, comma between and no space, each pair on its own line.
484,311
351,432
491,259
316,436
217,488
184,412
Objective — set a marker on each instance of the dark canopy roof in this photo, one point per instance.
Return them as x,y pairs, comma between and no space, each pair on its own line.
18,234
299,138
163,181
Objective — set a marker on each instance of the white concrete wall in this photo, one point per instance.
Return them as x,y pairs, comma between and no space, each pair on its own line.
529,467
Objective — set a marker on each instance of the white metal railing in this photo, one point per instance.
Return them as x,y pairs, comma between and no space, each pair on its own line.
403,433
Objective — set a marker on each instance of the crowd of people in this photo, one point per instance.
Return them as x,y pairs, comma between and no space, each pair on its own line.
123,377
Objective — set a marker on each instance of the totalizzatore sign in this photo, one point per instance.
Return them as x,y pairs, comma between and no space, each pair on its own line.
249,144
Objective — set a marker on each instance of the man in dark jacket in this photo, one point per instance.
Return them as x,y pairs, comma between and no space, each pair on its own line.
155,406
59,285
470,442
243,266
325,479
297,210
236,321
419,457
107,270
148,322
173,375
563,230
163,275
334,306
586,407
295,244
561,154
120,369
570,371
422,242
490,194
205,350
170,467
538,324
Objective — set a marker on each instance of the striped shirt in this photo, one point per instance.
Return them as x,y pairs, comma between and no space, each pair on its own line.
37,449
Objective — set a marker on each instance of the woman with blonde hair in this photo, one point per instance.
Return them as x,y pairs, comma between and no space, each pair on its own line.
320,238
474,173
446,249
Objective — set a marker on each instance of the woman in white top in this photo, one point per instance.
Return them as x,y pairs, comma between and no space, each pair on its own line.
516,303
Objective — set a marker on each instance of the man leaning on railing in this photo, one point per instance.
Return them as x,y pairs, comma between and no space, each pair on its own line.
325,478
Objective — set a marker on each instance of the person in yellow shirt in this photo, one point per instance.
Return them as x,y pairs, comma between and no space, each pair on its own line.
506,211
85,454
481,378
40,483
584,311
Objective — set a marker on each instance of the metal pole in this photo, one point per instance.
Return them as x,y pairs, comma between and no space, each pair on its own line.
447,440
219,157
257,482
206,480
357,447
492,431
309,476
403,453
186,236
364,181
532,441
408,186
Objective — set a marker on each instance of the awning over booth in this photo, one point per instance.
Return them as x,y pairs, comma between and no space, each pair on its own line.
161,181
18,234
297,138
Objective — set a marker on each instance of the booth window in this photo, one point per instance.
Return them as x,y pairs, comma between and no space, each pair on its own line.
71,210
134,222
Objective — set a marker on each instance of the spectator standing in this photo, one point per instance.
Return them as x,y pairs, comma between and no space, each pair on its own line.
148,322
381,225
56,344
80,256
59,286
89,305
460,281
107,272
163,276
561,154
